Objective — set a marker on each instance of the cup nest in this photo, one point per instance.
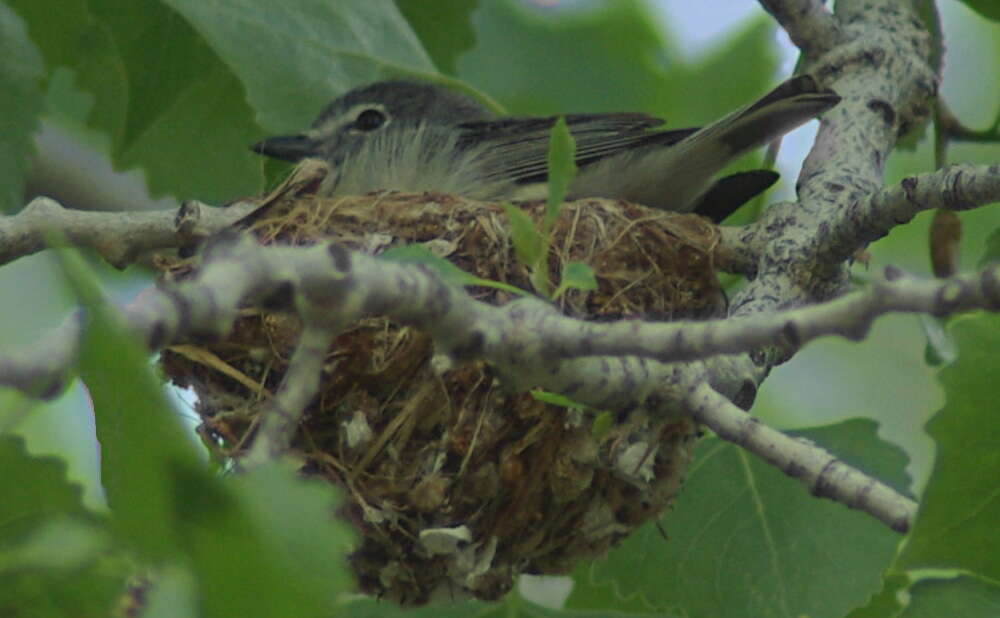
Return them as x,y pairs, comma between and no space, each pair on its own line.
455,484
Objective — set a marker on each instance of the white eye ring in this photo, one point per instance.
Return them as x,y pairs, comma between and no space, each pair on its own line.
366,117
369,120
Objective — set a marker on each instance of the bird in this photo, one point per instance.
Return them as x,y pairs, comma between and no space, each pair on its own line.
420,136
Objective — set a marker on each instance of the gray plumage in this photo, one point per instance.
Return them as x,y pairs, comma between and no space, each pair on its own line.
417,136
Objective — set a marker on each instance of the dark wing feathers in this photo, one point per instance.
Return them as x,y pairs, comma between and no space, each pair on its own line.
521,145
730,192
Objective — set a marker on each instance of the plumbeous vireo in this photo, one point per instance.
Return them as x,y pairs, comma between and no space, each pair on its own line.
414,136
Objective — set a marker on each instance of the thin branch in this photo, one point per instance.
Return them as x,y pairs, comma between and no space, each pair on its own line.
118,236
298,388
955,188
824,475
43,370
737,251
849,316
953,129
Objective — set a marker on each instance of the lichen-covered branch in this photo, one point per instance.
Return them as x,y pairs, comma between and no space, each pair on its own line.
849,316
604,365
881,67
824,475
808,23
954,188
297,391
42,370
119,237
332,286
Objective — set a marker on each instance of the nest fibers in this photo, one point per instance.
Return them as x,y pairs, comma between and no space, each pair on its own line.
454,483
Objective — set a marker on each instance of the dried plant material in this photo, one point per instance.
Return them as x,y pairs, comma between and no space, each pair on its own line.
210,360
451,480
945,238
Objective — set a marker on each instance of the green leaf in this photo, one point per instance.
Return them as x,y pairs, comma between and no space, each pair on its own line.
885,603
611,57
968,597
991,253
587,593
165,75
89,592
174,595
265,544
305,527
33,488
602,424
15,407
251,554
443,27
59,543
940,349
562,170
293,57
172,149
158,88
955,528
745,540
555,399
20,104
49,543
989,9
419,254
72,37
583,59
141,437
529,245
576,276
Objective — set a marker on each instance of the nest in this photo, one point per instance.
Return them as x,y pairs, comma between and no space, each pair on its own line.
455,484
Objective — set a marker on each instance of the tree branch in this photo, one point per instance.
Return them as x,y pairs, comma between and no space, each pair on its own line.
527,332
298,388
119,237
849,316
528,340
880,66
824,475
954,188
808,23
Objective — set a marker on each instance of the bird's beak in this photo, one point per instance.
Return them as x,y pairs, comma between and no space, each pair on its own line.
287,147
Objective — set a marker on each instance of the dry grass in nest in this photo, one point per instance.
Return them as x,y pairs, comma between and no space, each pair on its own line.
454,483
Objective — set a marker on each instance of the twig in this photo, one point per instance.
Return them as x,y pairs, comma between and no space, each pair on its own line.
118,236
824,475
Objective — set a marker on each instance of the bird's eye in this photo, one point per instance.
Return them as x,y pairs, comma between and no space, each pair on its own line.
369,120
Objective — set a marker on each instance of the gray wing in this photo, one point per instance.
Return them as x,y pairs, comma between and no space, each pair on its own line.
519,146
